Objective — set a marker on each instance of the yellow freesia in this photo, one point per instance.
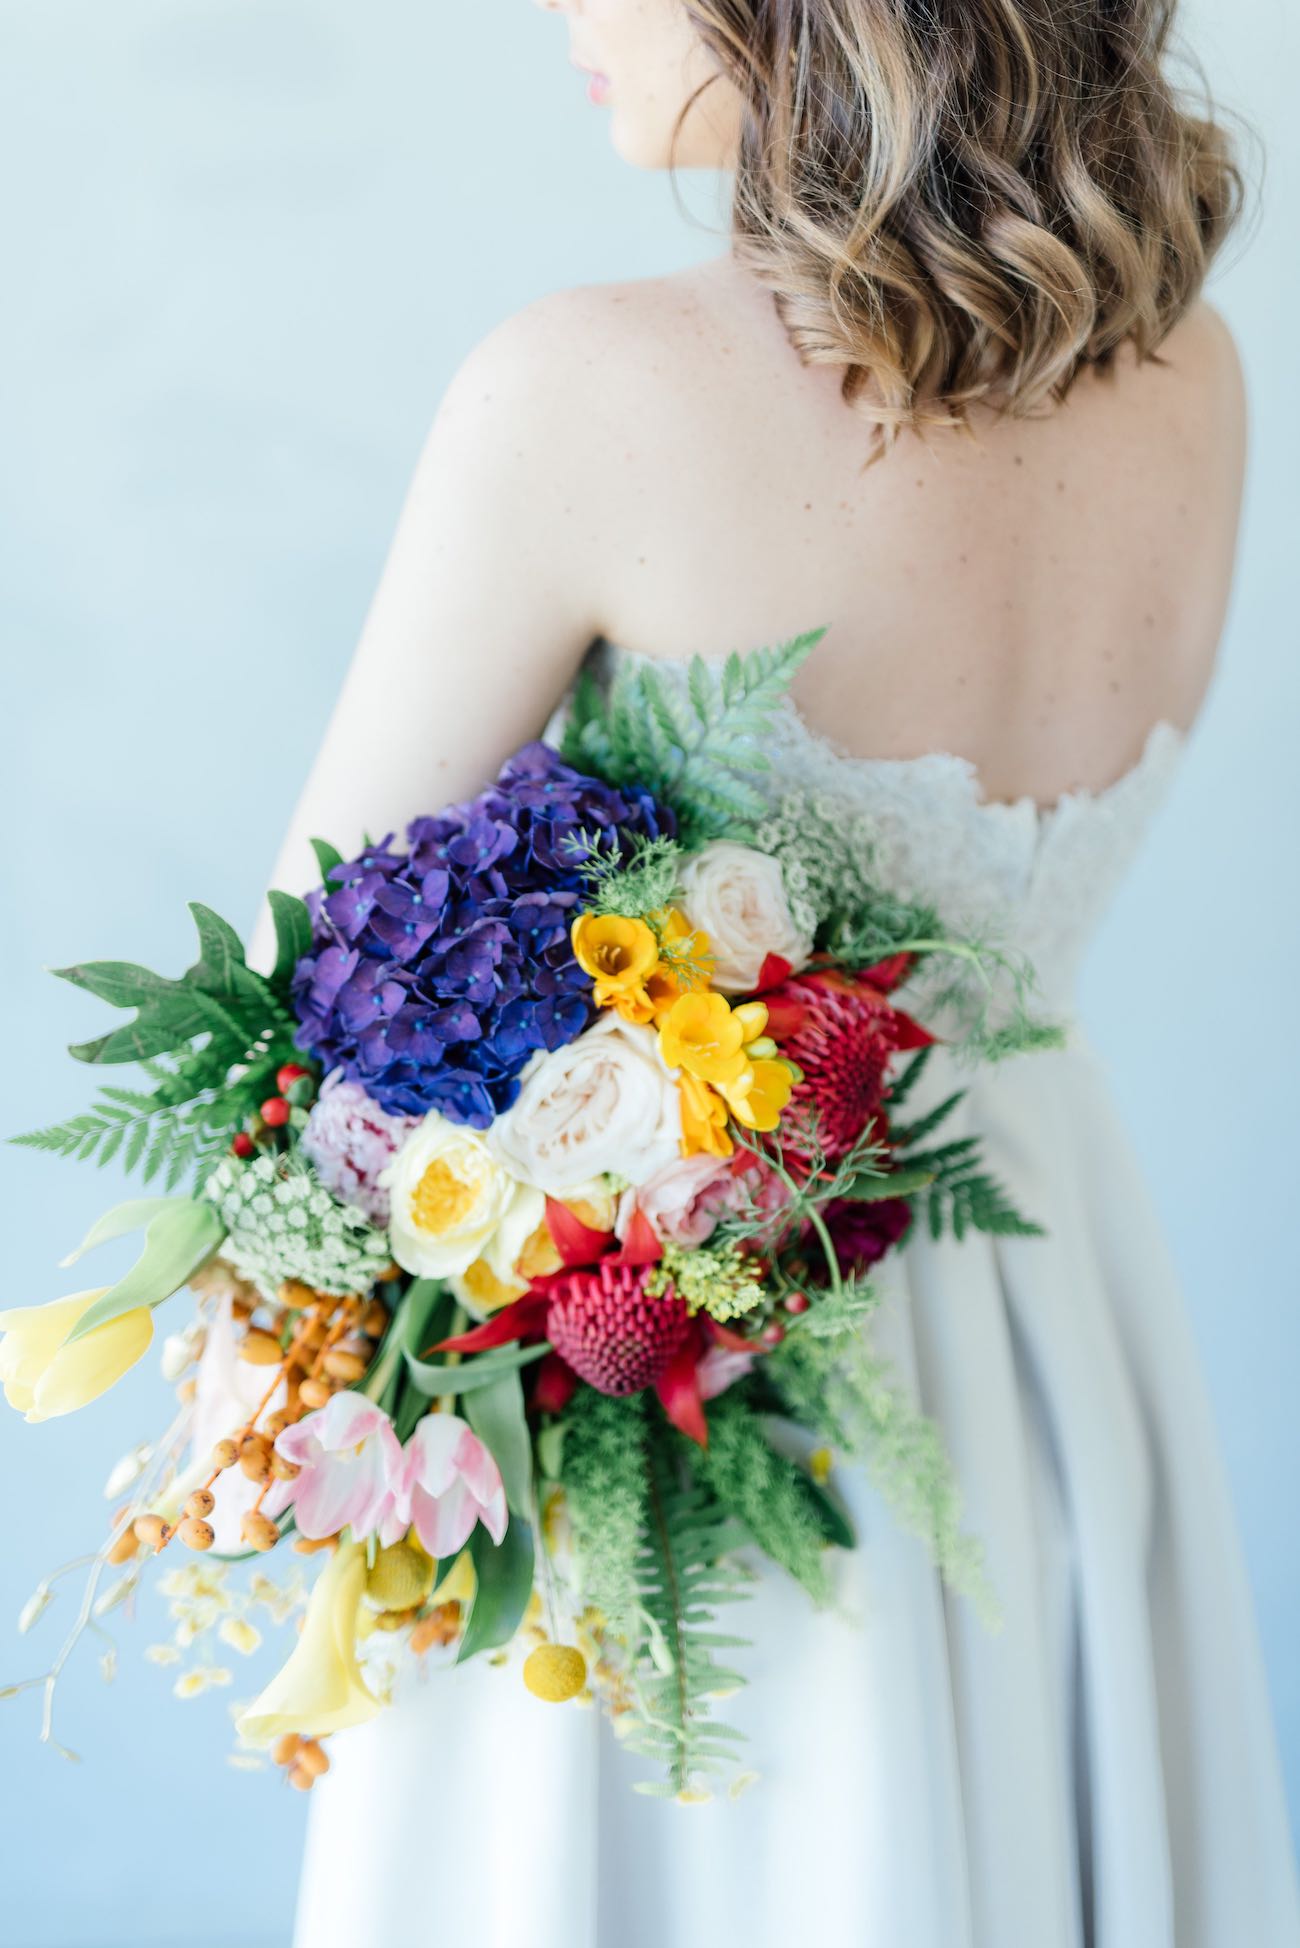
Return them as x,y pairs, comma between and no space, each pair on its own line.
321,1688
701,1034
688,970
760,1095
43,1376
704,1119
618,954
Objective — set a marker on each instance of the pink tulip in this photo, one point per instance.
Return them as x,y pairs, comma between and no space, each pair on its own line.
450,1481
352,1470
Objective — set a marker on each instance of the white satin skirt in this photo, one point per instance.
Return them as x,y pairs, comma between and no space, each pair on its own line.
1100,1772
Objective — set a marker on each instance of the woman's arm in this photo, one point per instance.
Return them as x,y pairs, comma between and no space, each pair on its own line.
484,609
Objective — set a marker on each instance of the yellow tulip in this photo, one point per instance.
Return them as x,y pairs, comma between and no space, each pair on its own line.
321,1688
44,1376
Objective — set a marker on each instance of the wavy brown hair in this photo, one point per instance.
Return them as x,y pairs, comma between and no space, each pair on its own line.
969,200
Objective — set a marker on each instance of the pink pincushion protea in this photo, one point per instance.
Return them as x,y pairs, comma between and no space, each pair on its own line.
843,1032
613,1333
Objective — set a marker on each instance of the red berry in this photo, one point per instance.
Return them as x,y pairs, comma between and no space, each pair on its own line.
773,1333
275,1112
797,1302
243,1144
287,1075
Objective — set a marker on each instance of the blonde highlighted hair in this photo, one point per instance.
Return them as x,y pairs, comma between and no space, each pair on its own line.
968,200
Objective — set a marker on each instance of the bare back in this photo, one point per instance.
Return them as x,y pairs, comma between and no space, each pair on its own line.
1033,599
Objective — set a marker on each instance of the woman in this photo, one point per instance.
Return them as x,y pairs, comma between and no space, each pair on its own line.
975,222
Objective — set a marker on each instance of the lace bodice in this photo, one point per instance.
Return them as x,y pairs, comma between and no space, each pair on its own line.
1038,878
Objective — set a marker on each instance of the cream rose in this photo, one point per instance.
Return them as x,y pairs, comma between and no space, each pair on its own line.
737,897
453,1201
603,1103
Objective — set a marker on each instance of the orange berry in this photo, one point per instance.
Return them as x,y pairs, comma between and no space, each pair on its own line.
260,1348
276,1424
283,1469
201,1504
224,1455
315,1392
313,1758
301,1778
126,1546
259,1531
196,1534
151,1530
285,1749
255,1456
343,1365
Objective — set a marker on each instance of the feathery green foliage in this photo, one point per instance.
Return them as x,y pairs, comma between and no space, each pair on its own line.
764,1490
635,882
697,747
834,1382
683,1575
605,1489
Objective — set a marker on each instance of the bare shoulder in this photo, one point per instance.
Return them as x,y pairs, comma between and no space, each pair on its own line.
1202,351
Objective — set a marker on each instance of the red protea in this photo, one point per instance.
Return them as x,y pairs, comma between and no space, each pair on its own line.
614,1333
843,1032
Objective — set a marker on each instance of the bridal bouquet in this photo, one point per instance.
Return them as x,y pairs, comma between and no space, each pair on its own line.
537,1192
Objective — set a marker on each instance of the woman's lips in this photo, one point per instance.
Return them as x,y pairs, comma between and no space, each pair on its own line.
597,83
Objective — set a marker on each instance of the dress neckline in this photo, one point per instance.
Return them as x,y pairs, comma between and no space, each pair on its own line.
1164,741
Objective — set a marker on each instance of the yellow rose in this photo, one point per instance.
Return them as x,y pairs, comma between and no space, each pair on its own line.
43,1376
321,1688
452,1202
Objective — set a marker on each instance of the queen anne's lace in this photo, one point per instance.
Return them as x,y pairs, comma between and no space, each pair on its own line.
283,1224
1033,879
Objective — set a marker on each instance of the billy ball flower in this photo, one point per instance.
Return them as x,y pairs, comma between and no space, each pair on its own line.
438,971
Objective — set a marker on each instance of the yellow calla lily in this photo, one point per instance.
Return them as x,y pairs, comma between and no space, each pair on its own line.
43,1376
321,1688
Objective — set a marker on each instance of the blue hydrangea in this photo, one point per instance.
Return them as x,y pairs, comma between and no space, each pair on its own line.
436,972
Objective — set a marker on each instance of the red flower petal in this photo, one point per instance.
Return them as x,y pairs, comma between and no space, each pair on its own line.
515,1321
576,1242
773,971
910,1033
887,974
678,1388
641,1245
554,1386
734,1342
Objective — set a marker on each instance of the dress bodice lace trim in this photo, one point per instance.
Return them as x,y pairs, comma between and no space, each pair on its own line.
1039,877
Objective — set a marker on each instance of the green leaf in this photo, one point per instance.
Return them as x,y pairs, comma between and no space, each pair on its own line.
504,1584
869,1188
137,1213
835,1523
326,857
292,934
119,982
178,1239
221,967
435,1379
496,1413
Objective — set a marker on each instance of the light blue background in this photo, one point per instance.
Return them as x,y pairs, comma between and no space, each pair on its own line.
245,243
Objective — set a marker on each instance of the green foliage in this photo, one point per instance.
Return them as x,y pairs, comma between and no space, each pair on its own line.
606,1488
764,1490
962,1197
683,1575
698,749
835,1383
641,880
503,1584
210,1043
179,1236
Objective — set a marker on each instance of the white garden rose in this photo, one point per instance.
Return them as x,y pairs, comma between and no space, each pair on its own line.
603,1103
737,897
453,1201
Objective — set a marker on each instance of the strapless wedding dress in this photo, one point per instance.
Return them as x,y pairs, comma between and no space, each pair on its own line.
1101,1771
